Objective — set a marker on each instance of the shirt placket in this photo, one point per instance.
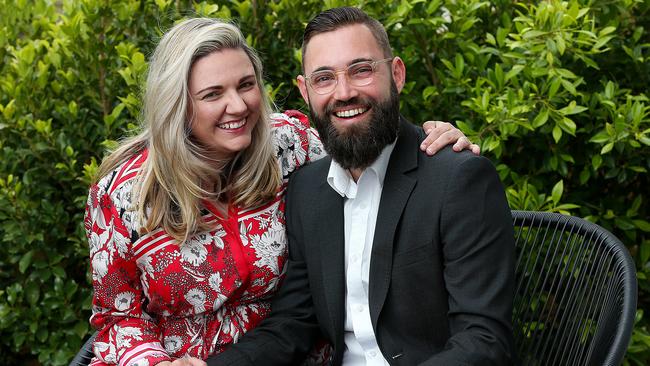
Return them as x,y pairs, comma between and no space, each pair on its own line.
360,311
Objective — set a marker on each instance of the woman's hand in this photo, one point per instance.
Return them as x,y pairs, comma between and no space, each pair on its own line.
441,134
183,361
189,361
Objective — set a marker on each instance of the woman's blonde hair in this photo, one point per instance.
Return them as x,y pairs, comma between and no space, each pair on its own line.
176,175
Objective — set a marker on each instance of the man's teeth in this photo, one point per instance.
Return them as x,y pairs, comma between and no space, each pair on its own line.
350,112
232,125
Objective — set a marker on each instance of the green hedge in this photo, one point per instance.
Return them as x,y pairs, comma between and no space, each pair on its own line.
556,93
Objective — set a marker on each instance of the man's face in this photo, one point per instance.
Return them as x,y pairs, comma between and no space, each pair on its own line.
355,122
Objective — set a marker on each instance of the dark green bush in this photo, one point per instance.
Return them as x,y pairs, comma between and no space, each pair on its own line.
556,93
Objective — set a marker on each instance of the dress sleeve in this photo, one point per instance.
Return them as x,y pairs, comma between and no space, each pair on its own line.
127,335
296,143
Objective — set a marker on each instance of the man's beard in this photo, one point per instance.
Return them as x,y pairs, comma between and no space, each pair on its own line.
359,145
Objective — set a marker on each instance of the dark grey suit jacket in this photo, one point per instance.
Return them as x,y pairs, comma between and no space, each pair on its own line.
441,272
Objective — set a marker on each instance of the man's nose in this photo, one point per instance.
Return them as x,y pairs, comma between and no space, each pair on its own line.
344,90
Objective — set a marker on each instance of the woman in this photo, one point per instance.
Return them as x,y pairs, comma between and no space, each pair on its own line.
186,224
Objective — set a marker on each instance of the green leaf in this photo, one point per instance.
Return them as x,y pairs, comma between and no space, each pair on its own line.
557,133
81,329
59,272
567,125
572,108
568,86
32,292
642,224
514,72
25,261
561,45
541,118
596,161
584,176
41,334
607,148
645,251
600,138
556,193
607,30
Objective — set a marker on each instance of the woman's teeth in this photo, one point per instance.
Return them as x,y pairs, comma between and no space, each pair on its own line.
232,125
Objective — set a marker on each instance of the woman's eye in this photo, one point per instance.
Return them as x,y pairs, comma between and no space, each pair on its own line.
247,85
210,95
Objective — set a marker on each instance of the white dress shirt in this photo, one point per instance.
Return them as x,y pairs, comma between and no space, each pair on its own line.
360,214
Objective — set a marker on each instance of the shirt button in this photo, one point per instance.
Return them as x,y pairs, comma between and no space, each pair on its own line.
372,354
359,308
355,258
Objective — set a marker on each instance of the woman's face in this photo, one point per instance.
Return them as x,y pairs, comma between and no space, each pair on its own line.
226,102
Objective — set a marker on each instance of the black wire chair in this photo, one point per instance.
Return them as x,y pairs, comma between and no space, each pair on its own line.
576,293
85,354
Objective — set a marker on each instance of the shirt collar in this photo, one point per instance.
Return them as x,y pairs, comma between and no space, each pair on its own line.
341,180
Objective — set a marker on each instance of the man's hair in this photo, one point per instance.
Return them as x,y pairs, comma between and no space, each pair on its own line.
333,19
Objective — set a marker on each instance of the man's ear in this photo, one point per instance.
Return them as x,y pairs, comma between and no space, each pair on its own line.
302,85
399,73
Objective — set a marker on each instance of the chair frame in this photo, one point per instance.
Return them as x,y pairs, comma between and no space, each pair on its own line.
606,331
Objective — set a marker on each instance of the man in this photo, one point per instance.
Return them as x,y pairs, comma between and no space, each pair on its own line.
395,258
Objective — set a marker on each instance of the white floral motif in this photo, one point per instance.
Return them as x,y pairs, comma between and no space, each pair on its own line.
100,265
124,336
122,196
100,347
217,238
243,233
173,344
145,264
124,300
215,281
97,241
286,144
120,242
269,246
196,298
193,251
227,327
218,302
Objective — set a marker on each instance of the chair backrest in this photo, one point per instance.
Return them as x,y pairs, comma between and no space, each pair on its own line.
85,354
576,292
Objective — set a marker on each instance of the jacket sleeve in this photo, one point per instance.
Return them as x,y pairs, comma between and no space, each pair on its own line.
477,234
127,335
285,337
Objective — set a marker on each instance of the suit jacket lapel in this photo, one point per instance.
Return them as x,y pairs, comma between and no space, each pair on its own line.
395,193
330,241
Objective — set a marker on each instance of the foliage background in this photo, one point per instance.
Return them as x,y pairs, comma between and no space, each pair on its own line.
555,91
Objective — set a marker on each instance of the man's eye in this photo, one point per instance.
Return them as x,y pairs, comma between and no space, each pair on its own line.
322,78
361,70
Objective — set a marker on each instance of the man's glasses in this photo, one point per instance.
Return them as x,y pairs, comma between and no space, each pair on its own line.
358,74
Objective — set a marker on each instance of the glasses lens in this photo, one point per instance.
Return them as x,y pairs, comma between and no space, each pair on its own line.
360,73
323,81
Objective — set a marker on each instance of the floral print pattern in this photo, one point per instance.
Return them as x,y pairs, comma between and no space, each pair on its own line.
155,300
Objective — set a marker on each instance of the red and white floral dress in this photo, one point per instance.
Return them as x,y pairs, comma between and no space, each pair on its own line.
155,300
